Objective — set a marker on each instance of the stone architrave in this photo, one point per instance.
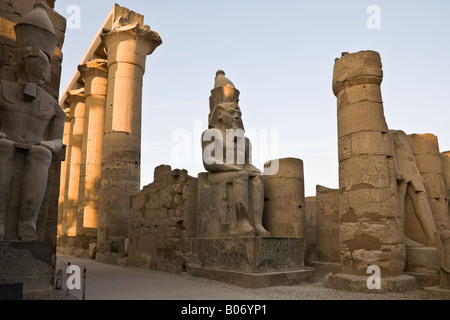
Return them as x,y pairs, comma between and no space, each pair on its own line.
95,76
284,200
127,46
370,223
76,101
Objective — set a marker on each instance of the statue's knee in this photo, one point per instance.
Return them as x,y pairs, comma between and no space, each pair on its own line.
40,154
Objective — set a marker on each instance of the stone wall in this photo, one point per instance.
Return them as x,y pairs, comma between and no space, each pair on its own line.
162,219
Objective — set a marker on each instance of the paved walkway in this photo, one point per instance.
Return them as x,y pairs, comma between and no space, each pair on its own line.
109,282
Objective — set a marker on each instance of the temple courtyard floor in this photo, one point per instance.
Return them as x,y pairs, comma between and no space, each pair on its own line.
110,282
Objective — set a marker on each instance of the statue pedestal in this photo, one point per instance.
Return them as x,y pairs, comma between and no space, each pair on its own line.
253,262
28,263
423,264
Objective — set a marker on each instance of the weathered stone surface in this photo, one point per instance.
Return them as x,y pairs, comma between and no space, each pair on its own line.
284,200
310,230
248,254
162,220
327,224
414,203
127,45
24,100
370,222
426,152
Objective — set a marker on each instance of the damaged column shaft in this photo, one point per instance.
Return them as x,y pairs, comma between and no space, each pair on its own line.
371,225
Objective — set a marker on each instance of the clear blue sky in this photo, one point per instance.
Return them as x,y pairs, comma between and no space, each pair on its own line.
280,55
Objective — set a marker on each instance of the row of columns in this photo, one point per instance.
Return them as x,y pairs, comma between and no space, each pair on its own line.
103,135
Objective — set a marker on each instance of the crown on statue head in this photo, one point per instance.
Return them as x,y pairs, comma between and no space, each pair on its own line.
224,91
36,30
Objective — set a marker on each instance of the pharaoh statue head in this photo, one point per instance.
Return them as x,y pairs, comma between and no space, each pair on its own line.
36,42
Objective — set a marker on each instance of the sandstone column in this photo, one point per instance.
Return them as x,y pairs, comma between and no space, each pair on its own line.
77,114
95,76
284,200
426,151
127,47
66,140
371,226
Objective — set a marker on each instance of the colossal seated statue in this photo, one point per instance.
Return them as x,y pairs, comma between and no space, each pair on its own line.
31,122
227,158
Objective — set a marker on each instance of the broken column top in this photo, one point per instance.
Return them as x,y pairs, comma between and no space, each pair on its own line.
357,68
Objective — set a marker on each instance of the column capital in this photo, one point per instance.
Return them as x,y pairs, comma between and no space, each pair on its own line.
95,76
74,98
94,68
130,43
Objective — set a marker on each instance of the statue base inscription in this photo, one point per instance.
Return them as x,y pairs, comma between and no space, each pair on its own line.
253,262
30,264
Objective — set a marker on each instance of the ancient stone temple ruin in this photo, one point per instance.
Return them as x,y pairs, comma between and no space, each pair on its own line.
393,192
70,179
31,154
237,224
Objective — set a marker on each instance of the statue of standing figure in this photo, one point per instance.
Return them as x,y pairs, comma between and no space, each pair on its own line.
227,158
410,183
31,121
